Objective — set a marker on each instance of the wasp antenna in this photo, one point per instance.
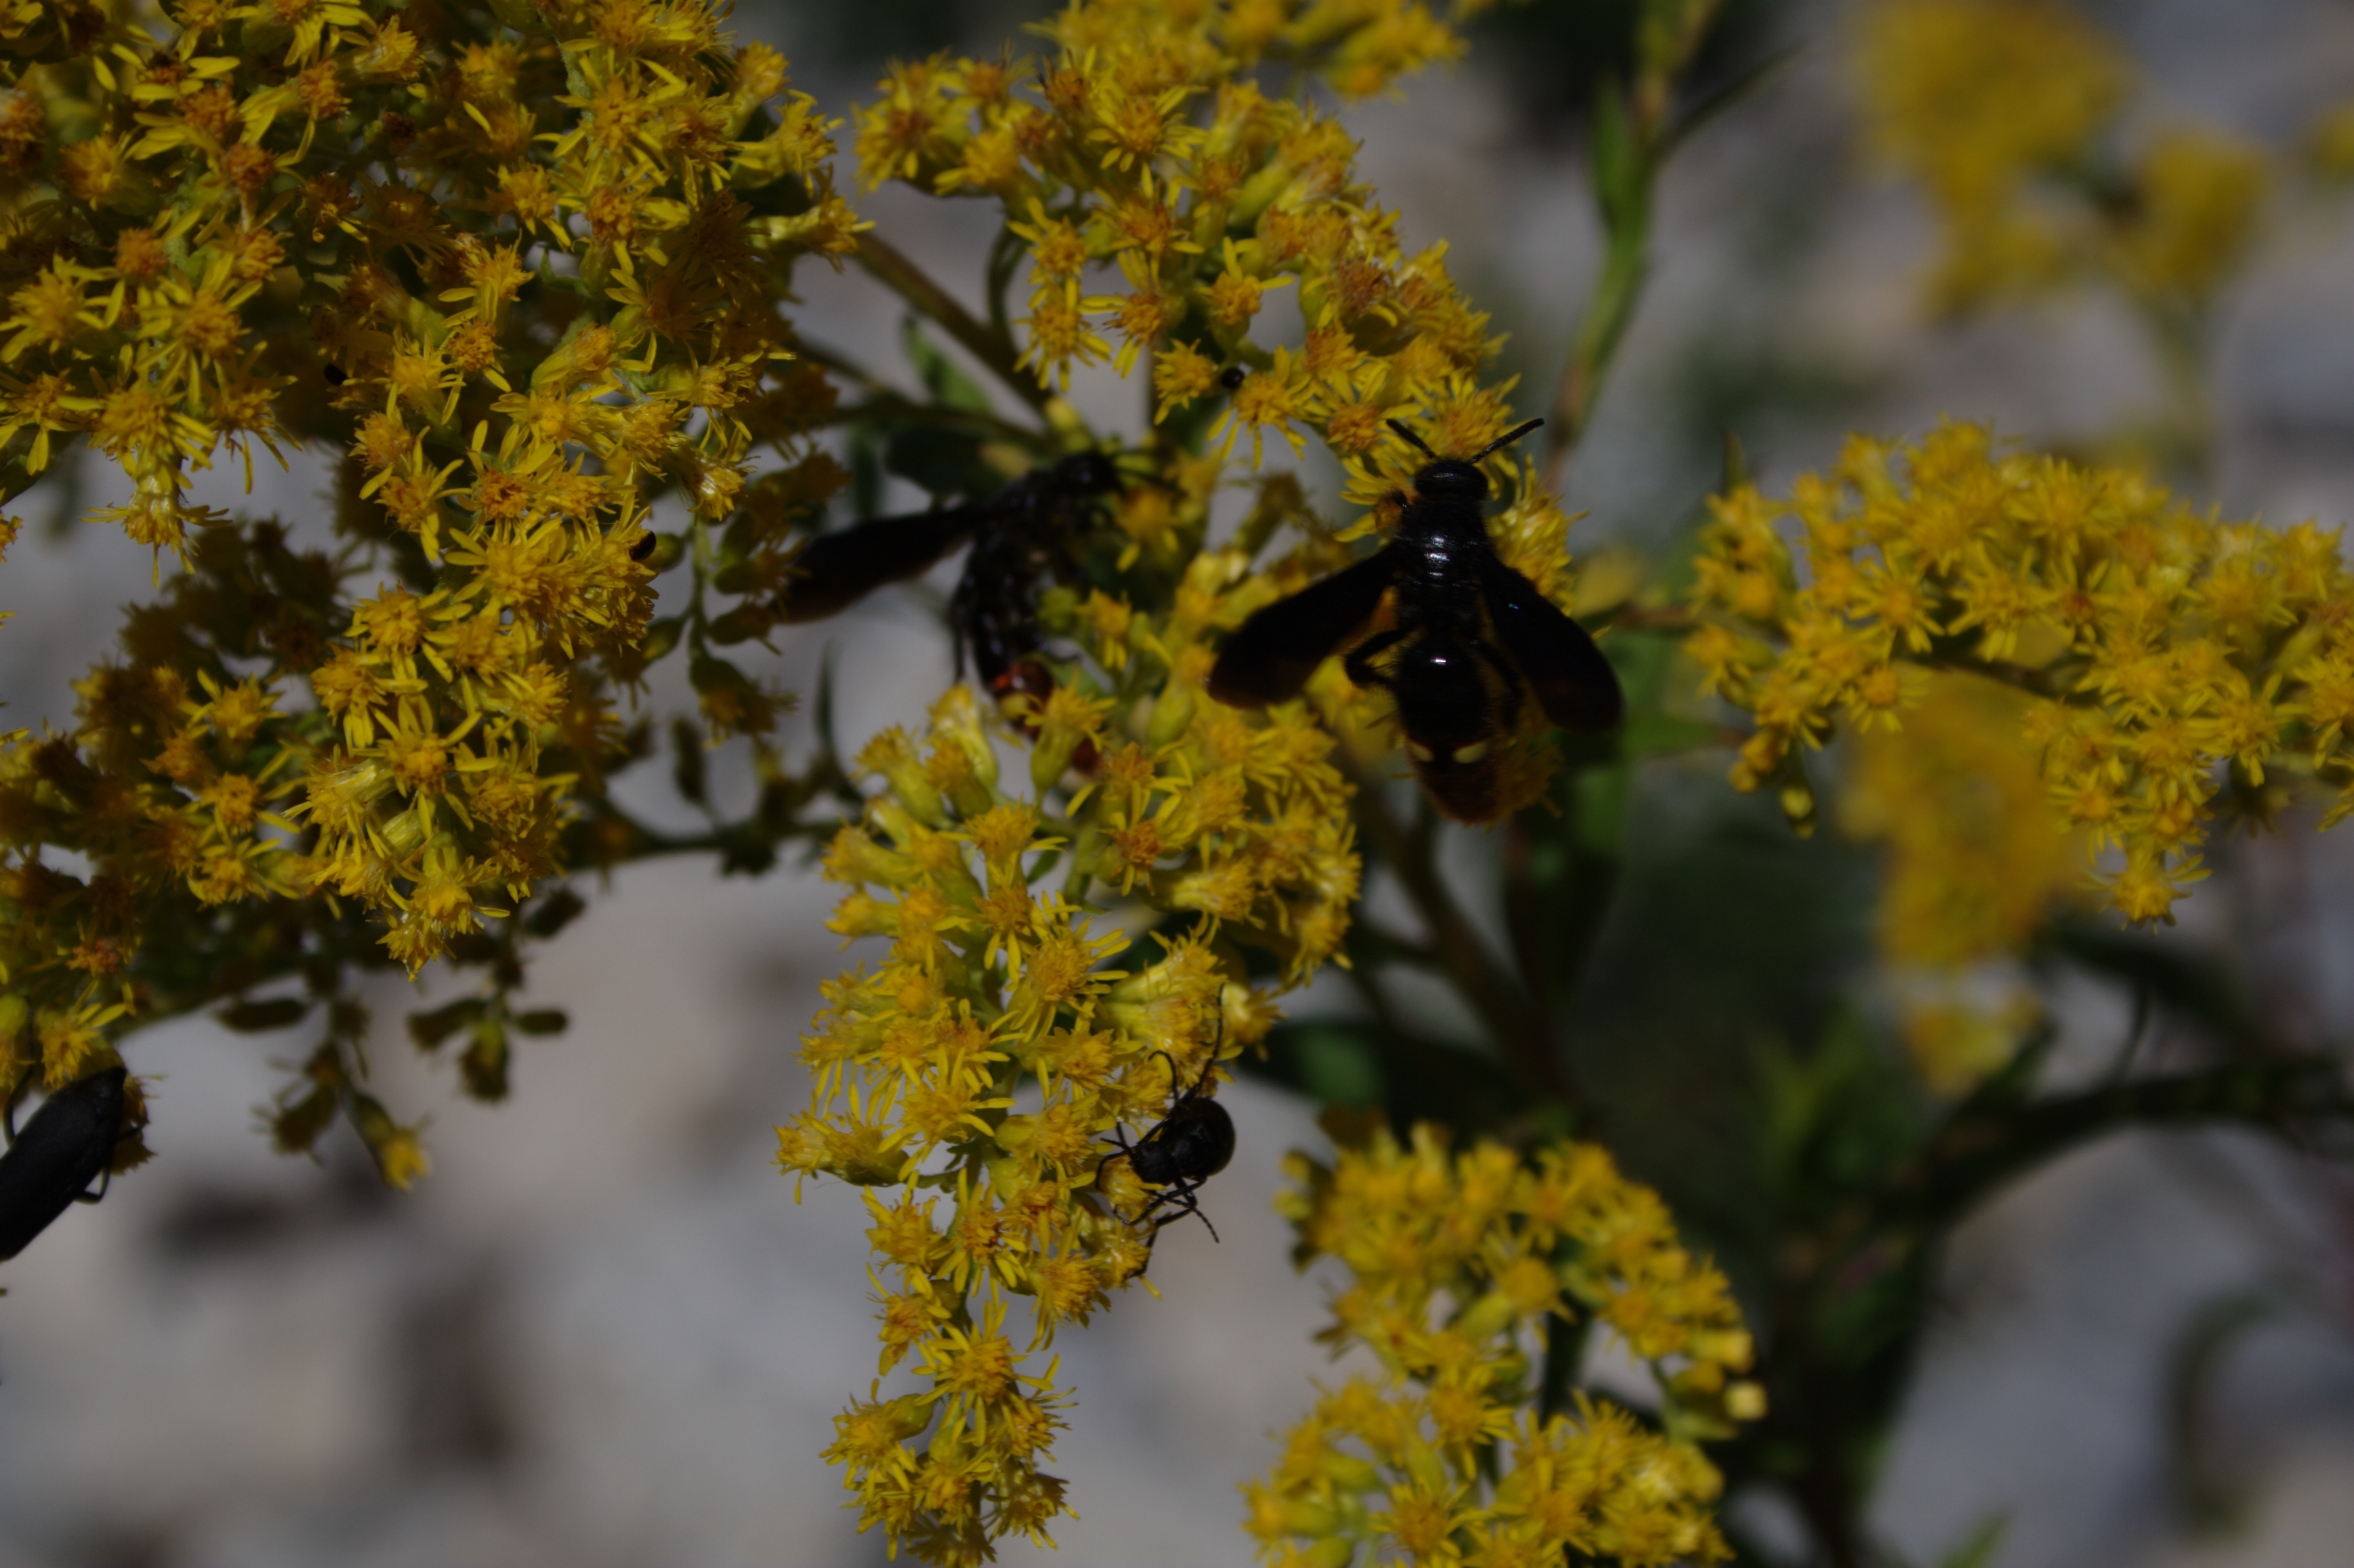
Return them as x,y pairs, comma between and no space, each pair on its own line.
1507,439
1410,436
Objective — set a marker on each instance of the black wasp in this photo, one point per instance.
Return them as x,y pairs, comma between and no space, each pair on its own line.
68,1145
1185,1148
1021,538
1457,605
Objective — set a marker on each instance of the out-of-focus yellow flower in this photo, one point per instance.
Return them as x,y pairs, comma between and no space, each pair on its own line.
1975,95
1959,1030
2329,142
2198,200
2005,110
1975,852
1975,857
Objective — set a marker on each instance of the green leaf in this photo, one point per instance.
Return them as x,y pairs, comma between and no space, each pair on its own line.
430,1029
938,373
1977,1549
483,1068
687,759
557,908
1666,734
943,461
261,1017
1354,1063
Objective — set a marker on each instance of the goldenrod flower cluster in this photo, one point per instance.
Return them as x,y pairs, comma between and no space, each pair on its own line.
994,982
2007,111
2179,667
522,262
1145,147
1456,1261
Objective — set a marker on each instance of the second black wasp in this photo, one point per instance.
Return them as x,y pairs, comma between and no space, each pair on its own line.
1472,636
1023,537
68,1143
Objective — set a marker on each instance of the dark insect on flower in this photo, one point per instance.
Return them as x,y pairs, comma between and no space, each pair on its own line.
1181,1151
1232,377
1021,538
646,545
334,375
1472,637
51,1164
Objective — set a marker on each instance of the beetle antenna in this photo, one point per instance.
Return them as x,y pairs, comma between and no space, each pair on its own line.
1507,439
1410,436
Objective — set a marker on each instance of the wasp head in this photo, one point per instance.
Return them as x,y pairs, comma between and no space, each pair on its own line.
1457,478
1451,477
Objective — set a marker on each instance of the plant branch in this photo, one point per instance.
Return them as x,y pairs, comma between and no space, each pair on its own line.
1484,984
994,349
1634,133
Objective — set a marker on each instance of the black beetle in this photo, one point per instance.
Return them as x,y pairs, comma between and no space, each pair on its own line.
67,1145
1185,1148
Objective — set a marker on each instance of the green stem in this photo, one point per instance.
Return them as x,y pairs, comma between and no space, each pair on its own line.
2189,427
1486,986
1634,132
894,408
1608,313
992,348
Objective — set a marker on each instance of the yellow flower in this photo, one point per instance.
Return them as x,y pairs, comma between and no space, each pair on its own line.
2198,200
2161,651
1455,1259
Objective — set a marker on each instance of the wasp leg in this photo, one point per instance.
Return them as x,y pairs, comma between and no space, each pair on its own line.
1359,663
1513,683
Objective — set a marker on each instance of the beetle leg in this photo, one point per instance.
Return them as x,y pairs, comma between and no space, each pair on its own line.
1120,1137
1181,1199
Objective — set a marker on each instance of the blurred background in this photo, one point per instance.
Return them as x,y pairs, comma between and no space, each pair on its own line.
605,1331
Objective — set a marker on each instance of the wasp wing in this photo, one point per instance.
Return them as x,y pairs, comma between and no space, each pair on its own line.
1272,657
61,1151
1574,685
839,569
